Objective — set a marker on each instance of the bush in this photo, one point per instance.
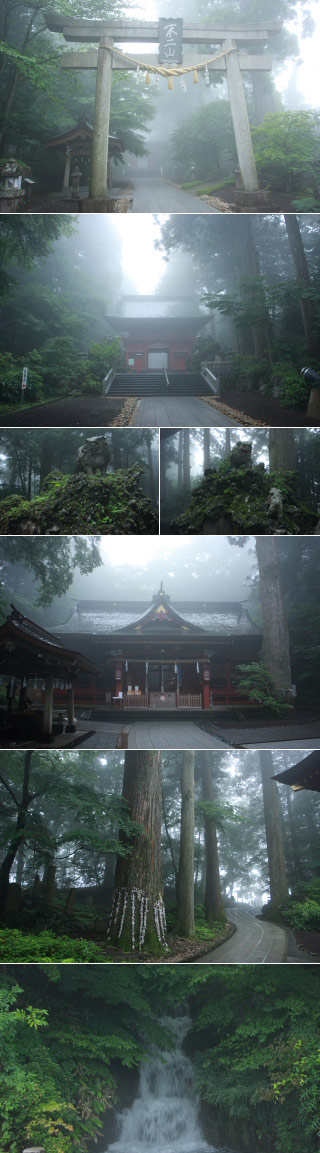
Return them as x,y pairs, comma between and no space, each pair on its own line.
288,386
10,381
259,686
16,946
286,148
302,915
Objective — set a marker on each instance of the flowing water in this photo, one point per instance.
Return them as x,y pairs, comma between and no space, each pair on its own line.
164,1118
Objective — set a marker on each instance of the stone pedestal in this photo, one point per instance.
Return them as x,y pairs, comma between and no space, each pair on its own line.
260,199
313,410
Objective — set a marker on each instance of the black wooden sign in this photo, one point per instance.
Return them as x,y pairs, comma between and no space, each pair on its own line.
170,41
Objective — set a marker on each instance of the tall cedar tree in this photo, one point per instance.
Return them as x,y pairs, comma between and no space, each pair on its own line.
276,648
273,824
137,901
214,910
185,887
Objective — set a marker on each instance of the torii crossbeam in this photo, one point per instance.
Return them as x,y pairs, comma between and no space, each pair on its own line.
232,41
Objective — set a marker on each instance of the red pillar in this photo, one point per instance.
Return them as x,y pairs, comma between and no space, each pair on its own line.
206,686
119,678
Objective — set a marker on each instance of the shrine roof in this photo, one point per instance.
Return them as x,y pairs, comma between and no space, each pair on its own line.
132,307
214,618
304,775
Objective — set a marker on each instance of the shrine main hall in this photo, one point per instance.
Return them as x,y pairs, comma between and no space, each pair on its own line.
162,656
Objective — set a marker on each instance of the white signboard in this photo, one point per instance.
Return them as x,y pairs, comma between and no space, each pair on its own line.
24,378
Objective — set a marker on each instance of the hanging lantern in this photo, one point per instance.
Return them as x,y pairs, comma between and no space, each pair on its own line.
195,77
183,85
170,83
148,78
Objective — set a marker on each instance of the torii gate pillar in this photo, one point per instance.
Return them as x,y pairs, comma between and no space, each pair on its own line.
240,120
99,160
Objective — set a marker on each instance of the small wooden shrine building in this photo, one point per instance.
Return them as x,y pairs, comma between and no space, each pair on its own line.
35,663
77,142
304,775
158,332
162,656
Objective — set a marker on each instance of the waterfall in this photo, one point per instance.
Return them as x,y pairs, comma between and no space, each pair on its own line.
164,1118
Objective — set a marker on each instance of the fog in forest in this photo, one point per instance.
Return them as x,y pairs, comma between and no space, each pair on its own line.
227,476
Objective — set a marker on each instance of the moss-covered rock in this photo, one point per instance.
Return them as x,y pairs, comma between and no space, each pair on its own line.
112,503
237,500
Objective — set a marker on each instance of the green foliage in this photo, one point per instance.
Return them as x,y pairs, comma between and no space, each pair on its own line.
306,204
80,503
46,946
10,380
302,915
241,495
52,562
255,680
289,386
286,150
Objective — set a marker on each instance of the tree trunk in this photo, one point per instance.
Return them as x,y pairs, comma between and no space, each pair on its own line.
303,279
261,326
16,840
180,461
206,448
186,459
282,449
227,442
184,926
276,648
272,816
153,489
137,917
213,906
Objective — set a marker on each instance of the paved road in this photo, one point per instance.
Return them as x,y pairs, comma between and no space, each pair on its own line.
254,942
157,734
257,942
152,194
172,412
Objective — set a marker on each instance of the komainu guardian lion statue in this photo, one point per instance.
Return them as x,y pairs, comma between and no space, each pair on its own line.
93,456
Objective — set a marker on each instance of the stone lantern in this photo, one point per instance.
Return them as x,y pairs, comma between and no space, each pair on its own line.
12,173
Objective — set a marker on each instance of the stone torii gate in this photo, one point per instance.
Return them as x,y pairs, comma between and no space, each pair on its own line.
235,59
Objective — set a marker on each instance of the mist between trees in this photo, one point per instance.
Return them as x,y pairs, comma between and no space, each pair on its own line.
221,480
74,1037
106,854
278,581
69,480
255,275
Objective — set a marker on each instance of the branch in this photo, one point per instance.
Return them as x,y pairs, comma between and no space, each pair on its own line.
5,783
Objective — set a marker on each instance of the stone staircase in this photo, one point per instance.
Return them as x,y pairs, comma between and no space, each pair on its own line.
156,384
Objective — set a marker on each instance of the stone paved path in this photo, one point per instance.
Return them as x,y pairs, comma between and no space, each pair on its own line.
157,734
177,411
152,194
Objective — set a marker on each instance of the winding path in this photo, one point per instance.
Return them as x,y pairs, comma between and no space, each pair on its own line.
153,194
172,412
257,942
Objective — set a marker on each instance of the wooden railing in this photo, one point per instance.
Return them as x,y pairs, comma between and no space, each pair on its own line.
130,701
189,701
